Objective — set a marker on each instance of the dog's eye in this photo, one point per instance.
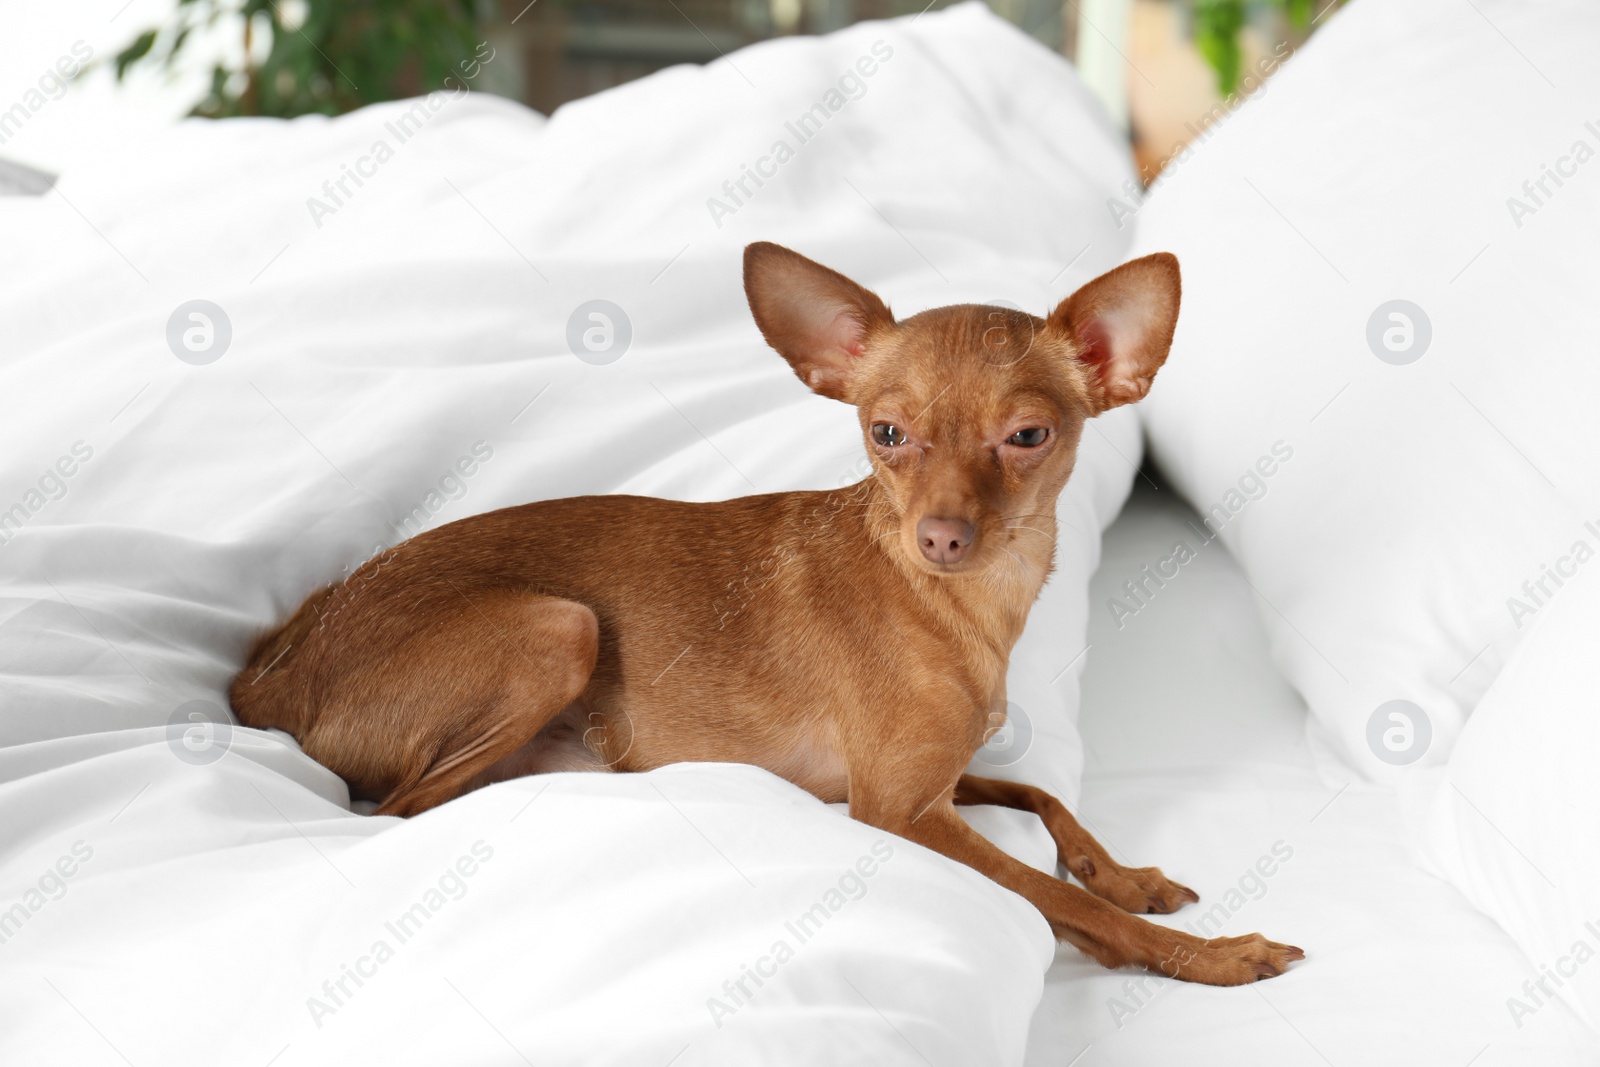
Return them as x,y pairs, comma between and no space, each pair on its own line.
1032,437
888,435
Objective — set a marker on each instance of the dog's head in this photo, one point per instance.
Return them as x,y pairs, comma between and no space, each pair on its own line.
972,413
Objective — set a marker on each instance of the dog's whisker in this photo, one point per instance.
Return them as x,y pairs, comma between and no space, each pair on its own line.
1043,515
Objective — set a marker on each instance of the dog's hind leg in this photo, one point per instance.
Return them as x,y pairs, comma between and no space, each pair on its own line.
453,699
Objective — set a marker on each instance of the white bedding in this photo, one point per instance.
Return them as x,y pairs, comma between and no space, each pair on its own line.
1512,821
403,361
213,913
1198,762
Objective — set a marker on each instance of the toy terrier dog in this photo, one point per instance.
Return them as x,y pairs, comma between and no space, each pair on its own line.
854,642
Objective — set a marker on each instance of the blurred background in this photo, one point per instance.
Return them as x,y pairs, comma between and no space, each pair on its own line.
78,78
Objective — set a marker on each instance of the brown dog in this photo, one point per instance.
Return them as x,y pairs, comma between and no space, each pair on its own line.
854,642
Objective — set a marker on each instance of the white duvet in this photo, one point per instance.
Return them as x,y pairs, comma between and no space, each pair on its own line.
237,913
397,356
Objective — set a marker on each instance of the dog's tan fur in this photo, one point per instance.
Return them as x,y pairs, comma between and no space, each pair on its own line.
854,642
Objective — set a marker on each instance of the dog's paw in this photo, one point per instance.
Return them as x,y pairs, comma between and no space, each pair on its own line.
1142,890
1228,960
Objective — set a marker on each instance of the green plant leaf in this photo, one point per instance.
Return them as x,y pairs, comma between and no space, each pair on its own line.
1217,25
135,52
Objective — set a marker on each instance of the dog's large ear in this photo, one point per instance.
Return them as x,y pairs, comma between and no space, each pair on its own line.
816,318
1122,325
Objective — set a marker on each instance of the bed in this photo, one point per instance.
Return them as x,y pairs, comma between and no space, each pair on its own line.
246,356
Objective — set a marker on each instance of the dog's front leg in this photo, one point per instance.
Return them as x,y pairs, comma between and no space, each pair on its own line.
1138,889
1097,927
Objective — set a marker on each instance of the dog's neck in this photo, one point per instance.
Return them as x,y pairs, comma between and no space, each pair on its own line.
993,602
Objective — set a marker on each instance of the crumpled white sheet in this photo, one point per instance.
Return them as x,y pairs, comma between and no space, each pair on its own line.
233,912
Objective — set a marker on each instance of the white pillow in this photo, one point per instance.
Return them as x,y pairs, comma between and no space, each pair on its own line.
404,358
1514,819
1396,519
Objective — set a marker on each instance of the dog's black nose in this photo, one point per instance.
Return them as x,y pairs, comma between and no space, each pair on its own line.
945,540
